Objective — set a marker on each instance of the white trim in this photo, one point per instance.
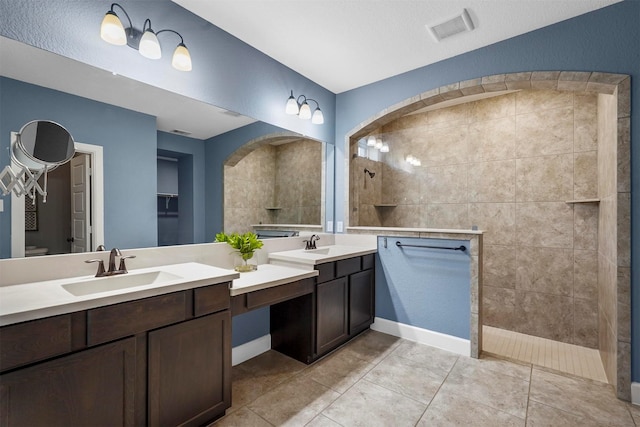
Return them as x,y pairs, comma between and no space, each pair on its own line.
635,393
97,193
249,350
423,336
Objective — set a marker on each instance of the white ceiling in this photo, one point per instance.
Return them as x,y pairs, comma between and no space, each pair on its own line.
345,44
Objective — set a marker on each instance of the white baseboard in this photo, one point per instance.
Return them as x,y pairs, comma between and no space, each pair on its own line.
246,351
635,393
423,336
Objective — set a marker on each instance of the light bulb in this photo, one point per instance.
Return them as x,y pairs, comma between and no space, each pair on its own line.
318,117
181,58
112,30
292,106
149,45
305,111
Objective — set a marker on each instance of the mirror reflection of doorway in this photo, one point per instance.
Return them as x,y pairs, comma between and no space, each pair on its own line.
72,219
61,225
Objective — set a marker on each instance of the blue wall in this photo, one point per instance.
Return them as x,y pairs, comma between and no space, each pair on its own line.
129,144
423,287
606,40
191,179
226,72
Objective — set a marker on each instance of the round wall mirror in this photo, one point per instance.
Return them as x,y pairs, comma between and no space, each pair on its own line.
42,143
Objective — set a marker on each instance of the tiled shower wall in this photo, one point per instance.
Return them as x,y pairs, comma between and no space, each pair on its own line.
278,184
613,256
509,165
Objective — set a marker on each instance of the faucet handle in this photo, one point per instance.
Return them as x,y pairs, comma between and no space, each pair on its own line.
100,272
123,267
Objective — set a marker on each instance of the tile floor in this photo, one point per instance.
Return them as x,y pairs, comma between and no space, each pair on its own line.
572,359
381,380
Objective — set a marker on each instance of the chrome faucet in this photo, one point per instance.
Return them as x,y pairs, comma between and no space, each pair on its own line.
122,269
311,243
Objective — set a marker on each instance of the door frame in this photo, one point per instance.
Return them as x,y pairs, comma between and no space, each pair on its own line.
97,200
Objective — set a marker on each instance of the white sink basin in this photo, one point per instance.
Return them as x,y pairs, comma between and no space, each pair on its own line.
124,281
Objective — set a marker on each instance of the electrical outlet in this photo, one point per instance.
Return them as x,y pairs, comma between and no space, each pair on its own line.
339,227
329,226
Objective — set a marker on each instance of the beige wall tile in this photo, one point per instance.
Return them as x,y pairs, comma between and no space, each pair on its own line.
624,230
544,132
585,177
585,323
500,266
543,315
548,224
493,108
493,139
529,101
585,226
444,184
499,307
544,179
492,181
446,146
457,115
496,219
624,155
585,128
546,270
585,275
448,215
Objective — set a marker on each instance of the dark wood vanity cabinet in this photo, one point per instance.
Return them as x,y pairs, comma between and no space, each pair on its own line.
92,387
345,304
163,360
340,307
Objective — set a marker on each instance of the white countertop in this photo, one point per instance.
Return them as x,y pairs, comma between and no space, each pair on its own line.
267,276
321,254
29,301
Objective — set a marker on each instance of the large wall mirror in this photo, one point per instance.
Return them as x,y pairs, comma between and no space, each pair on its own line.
274,180
134,124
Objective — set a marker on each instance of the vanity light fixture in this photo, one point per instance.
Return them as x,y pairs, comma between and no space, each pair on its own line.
384,148
302,110
371,141
145,41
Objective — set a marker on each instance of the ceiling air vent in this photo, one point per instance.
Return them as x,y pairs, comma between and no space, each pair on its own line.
181,132
460,24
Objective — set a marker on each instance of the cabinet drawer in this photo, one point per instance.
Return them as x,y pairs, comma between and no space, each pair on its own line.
211,299
326,272
36,340
368,261
279,293
344,267
130,318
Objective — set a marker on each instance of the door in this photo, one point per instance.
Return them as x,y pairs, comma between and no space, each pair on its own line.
331,309
189,371
80,204
95,387
361,288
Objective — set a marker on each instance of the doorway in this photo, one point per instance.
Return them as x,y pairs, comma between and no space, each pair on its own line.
95,216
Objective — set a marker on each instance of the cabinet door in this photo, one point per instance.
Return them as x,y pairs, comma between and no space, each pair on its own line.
331,309
190,371
361,287
95,387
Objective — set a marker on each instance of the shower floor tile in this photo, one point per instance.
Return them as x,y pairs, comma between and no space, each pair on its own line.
568,358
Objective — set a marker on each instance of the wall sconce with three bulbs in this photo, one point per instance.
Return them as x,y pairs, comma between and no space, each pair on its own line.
145,41
377,144
302,109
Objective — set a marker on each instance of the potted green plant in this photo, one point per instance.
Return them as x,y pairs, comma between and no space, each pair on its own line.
245,245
